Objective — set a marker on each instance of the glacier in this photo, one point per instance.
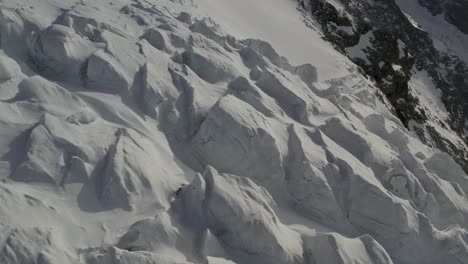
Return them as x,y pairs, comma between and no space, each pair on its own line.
195,131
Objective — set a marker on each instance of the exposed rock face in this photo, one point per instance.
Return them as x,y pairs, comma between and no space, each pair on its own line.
454,11
392,50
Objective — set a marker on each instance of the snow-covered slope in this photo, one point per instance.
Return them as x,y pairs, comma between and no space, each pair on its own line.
278,22
141,131
417,60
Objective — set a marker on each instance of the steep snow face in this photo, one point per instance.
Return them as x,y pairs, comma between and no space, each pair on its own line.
279,23
141,132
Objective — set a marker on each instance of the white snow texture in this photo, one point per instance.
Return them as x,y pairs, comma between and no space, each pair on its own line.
141,132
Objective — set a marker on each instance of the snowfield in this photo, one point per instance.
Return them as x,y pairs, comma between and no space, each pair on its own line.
144,132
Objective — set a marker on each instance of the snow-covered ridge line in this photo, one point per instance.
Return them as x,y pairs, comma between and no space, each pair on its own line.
135,132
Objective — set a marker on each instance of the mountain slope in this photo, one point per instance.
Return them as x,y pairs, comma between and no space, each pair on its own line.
142,132
421,69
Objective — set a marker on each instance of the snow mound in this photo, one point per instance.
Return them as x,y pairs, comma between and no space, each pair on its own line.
239,213
333,248
8,68
58,51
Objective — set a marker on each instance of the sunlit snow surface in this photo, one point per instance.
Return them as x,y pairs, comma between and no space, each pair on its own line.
279,23
133,133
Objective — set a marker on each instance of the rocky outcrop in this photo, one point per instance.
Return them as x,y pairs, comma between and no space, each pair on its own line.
453,11
390,49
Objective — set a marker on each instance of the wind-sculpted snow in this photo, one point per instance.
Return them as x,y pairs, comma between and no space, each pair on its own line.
8,68
138,132
58,51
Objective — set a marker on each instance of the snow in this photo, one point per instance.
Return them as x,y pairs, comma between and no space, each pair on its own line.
264,19
430,96
396,67
430,99
143,132
446,36
412,21
358,50
8,68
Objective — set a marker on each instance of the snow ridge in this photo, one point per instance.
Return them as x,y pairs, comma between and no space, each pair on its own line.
136,132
